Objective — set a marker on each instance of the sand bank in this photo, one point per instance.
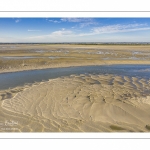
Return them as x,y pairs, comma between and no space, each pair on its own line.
84,103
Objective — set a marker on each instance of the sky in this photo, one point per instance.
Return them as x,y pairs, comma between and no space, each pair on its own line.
57,30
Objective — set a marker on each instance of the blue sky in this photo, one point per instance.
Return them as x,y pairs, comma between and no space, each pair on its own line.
74,30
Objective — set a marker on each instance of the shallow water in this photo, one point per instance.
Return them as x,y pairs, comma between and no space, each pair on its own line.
18,57
10,80
29,57
127,58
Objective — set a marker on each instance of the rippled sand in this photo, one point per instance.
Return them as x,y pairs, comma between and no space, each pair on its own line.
84,103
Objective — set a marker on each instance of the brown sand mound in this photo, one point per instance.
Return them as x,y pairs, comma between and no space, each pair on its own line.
89,103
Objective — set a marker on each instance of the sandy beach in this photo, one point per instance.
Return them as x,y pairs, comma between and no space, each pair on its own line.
76,103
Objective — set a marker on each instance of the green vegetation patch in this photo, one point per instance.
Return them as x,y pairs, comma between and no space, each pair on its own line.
147,127
114,127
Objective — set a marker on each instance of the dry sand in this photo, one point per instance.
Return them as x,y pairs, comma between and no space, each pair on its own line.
84,103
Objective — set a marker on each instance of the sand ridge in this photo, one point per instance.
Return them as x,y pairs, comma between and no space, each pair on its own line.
82,103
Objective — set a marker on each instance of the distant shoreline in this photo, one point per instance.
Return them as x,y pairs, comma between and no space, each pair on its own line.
88,43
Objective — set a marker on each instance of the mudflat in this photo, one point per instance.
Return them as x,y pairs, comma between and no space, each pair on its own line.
18,57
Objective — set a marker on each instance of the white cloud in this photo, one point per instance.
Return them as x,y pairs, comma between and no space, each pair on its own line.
17,21
72,19
77,20
33,30
119,28
64,33
54,21
56,34
116,29
83,22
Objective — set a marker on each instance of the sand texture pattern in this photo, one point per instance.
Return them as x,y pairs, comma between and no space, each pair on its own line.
81,103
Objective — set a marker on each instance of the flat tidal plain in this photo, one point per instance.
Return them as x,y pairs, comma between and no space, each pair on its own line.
19,57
